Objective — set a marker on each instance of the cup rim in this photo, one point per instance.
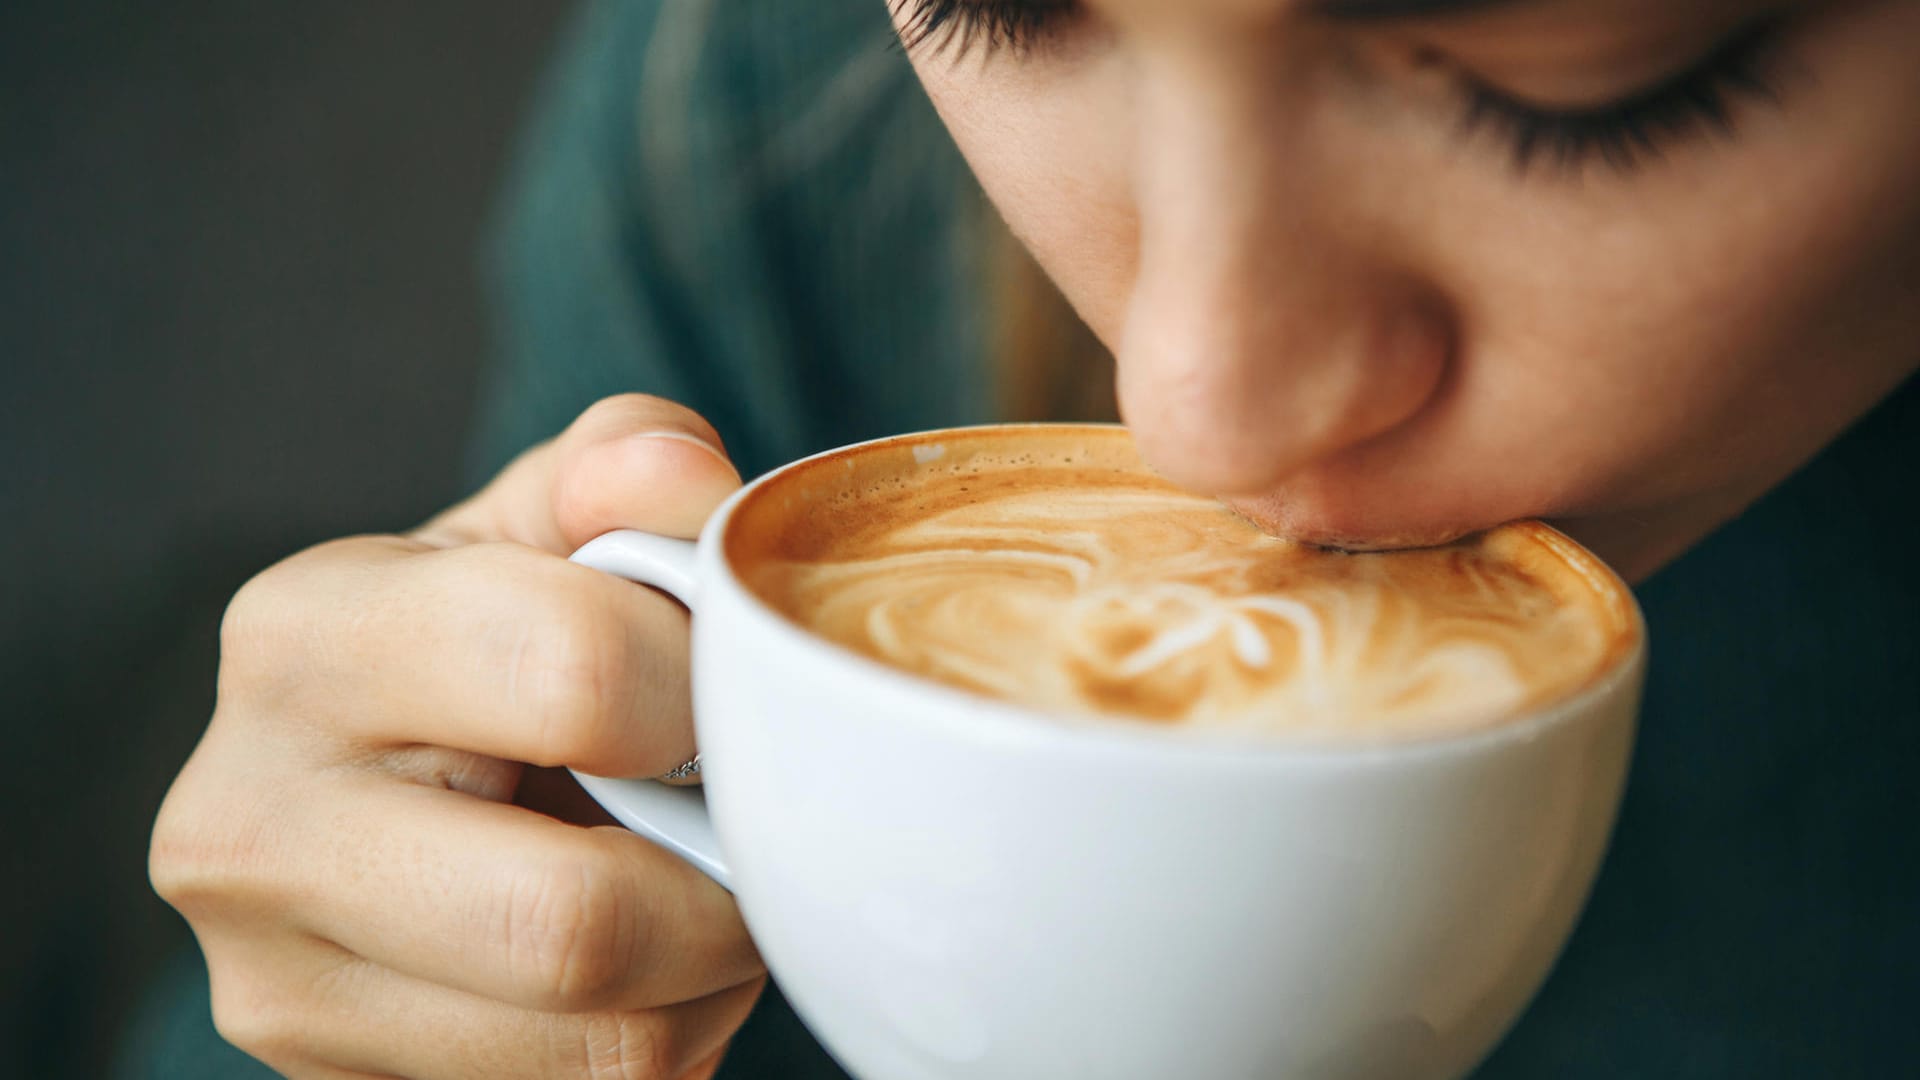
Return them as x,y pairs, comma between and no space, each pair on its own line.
1008,721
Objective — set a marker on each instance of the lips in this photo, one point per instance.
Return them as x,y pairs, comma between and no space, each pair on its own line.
1276,516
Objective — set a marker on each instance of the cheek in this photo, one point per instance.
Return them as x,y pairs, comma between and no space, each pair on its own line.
1666,344
1052,146
1707,324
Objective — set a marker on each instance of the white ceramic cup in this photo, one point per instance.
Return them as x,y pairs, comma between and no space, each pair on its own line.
947,886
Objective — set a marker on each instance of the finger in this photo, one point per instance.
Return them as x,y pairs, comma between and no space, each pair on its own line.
709,1066
261,992
335,1014
497,649
467,1037
500,902
631,461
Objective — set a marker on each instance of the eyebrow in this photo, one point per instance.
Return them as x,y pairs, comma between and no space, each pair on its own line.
1367,10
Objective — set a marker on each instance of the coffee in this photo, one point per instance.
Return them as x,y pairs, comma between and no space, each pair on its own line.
1048,566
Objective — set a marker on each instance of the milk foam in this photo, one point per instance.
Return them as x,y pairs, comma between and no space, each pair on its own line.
1140,600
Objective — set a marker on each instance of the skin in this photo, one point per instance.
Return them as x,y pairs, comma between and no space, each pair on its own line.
1327,305
1365,329
372,842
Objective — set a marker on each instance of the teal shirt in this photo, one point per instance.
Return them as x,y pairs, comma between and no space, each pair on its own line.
750,207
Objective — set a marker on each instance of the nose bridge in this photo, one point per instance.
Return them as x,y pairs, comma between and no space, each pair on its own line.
1215,126
1264,329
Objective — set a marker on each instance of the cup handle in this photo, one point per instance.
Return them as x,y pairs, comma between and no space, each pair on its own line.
673,817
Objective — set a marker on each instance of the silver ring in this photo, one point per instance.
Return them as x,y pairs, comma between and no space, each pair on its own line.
690,768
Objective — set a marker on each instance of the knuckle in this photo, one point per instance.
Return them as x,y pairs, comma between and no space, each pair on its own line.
256,620
273,617
575,929
626,1046
254,1015
176,865
200,861
574,673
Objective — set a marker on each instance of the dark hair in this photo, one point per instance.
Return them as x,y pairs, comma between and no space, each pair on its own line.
1047,364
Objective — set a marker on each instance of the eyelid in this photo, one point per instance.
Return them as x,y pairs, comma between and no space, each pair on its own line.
1595,66
960,26
1698,98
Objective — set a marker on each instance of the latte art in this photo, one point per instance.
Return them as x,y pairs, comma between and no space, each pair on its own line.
1093,587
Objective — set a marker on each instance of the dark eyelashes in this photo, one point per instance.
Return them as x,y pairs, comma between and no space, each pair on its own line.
1626,133
959,26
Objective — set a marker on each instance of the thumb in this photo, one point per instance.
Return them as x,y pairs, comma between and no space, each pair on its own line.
629,462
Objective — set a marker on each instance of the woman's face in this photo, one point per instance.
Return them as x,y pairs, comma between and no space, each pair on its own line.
1381,272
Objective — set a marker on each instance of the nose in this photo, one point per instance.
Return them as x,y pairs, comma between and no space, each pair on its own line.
1269,326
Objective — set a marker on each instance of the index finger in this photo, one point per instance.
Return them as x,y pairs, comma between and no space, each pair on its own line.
505,903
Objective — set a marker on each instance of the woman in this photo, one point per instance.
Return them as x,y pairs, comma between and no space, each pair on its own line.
1379,272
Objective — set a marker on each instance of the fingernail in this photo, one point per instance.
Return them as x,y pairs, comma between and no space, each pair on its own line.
690,438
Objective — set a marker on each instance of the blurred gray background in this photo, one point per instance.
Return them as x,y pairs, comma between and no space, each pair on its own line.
239,314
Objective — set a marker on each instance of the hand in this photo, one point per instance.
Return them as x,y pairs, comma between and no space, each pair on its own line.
373,842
